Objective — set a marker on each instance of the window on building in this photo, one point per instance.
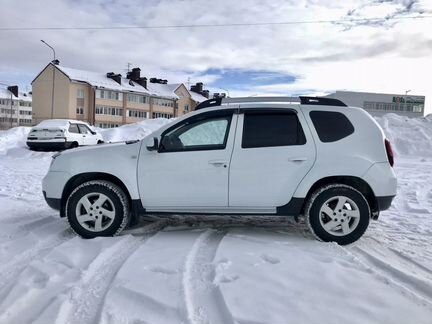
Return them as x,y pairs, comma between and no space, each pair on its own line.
80,93
136,98
161,115
80,110
186,108
109,94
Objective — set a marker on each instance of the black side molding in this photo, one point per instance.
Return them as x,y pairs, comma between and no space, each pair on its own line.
292,208
384,202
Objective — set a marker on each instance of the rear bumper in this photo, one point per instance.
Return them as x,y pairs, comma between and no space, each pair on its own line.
54,203
384,202
35,145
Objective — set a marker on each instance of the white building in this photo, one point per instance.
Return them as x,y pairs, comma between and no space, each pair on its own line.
378,104
21,112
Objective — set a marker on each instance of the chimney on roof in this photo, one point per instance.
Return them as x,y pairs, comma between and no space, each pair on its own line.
142,82
219,95
160,81
206,93
115,77
198,87
55,62
134,74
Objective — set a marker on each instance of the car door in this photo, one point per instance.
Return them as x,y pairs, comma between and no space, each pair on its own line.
75,134
190,169
87,136
272,154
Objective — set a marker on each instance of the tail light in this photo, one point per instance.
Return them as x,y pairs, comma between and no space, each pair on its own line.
389,151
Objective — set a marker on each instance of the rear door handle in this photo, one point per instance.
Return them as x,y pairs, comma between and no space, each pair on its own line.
298,159
218,163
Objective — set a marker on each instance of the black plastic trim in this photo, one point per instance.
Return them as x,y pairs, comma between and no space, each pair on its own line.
321,101
251,110
292,208
137,207
54,203
209,103
384,202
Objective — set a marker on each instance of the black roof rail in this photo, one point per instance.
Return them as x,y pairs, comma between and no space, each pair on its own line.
321,101
209,103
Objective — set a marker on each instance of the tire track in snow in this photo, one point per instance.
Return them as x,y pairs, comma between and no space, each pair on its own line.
13,269
24,227
411,285
86,299
204,300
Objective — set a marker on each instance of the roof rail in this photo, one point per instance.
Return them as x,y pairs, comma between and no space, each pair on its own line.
323,101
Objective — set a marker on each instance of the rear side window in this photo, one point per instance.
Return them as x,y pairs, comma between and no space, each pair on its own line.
73,128
331,126
271,129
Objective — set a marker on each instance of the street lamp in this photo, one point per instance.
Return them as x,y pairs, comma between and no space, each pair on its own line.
52,95
406,94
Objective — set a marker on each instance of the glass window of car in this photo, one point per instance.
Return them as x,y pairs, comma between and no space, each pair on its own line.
73,128
204,134
269,129
331,126
84,129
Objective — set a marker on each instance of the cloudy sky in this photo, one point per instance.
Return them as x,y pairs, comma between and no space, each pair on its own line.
391,55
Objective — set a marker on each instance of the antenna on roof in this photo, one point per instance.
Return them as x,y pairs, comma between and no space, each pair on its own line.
129,66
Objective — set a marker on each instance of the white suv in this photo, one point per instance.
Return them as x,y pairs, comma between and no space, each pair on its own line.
60,134
270,155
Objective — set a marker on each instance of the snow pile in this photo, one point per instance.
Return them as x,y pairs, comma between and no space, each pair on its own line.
409,136
13,138
133,131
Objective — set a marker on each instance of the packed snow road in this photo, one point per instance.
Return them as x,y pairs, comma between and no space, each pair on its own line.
211,270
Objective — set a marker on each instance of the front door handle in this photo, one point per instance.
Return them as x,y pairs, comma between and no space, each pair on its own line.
298,159
218,163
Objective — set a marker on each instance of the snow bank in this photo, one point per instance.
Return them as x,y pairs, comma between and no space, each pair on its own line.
409,136
133,131
13,138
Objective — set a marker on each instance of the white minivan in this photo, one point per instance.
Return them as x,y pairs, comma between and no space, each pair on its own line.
60,134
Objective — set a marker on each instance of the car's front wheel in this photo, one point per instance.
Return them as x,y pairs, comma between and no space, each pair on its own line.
97,208
338,213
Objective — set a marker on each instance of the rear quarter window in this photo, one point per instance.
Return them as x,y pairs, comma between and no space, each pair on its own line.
331,126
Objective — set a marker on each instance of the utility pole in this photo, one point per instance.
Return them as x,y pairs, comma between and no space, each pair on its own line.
53,67
129,66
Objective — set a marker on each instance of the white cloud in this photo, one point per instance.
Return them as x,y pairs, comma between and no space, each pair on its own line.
324,57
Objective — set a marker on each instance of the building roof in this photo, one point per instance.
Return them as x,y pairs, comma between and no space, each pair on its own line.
5,94
197,97
100,80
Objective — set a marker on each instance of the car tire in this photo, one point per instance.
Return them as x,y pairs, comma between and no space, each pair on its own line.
338,213
97,208
100,142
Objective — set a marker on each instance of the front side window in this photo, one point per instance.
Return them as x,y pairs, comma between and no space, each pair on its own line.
73,128
83,129
271,129
80,93
207,134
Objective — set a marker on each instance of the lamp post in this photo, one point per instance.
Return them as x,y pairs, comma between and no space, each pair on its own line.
226,91
52,95
406,94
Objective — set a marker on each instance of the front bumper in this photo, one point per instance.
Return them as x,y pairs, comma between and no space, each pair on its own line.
54,203
384,202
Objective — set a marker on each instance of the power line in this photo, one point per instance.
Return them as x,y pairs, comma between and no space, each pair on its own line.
298,22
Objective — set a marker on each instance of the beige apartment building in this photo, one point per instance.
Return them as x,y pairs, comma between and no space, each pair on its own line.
108,100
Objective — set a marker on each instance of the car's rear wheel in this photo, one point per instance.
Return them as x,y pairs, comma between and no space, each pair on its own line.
97,208
338,213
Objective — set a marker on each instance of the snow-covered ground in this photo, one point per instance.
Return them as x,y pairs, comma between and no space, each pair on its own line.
219,269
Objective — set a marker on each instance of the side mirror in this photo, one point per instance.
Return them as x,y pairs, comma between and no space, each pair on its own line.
153,144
